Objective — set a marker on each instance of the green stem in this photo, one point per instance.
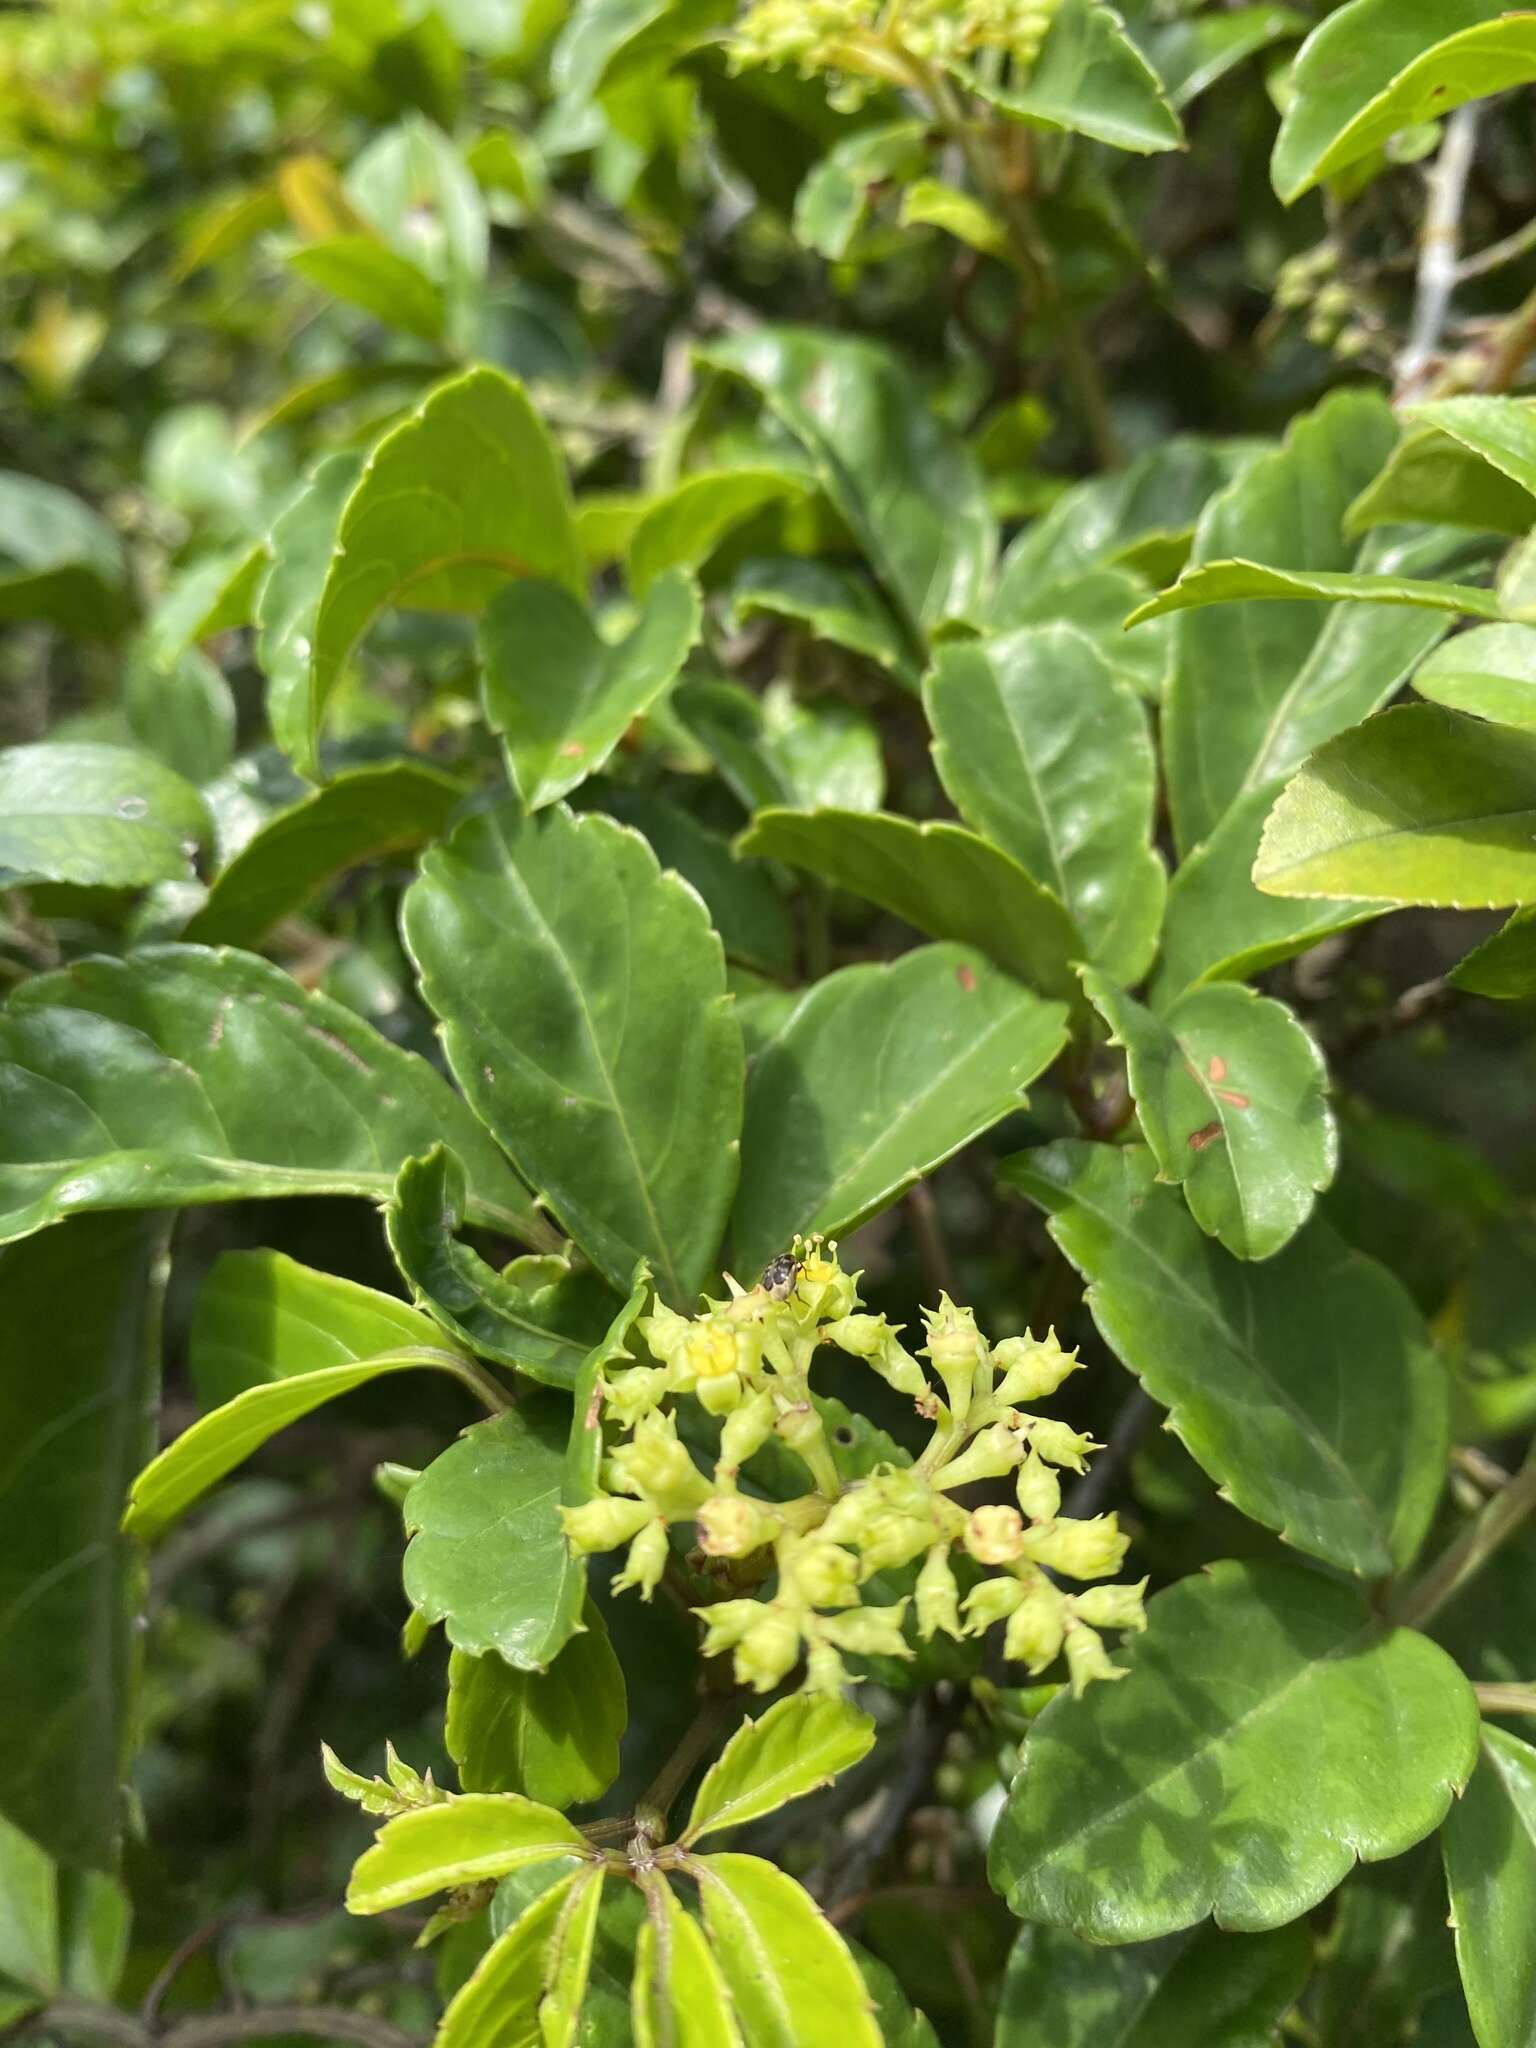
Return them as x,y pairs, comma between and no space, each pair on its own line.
1498,1519
700,1736
479,1382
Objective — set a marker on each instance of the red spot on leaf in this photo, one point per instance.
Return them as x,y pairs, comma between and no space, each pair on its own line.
1217,1069
1210,1135
966,976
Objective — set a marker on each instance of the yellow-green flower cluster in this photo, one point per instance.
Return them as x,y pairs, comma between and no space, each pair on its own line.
861,42
747,1360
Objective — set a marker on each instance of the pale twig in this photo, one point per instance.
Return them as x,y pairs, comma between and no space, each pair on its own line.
79,2019
1498,1519
1439,250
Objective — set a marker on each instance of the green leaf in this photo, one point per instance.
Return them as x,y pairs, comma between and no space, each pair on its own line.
369,274
1388,1952
835,601
1232,1096
1096,602
792,1980
900,2022
1419,805
1306,1386
1254,690
1190,56
488,1557
262,1316
947,882
180,709
776,748
216,1443
1434,476
465,1841
1490,1866
904,484
1375,67
1504,966
1047,755
1489,672
568,1961
745,907
834,201
878,1074
1237,582
1266,1696
29,1918
414,189
301,545
1222,1990
465,494
684,526
678,1996
1217,926
584,1012
361,816
560,695
499,2005
798,1744
541,1316
187,1075
76,1400
1090,79
552,1735
101,816
584,1443
59,560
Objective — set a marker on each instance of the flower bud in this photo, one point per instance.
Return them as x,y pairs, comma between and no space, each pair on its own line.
993,1452
937,1597
825,1671
731,1525
726,1622
1112,1606
647,1560
819,1573
605,1523
1039,1489
956,1350
822,1286
1081,1550
1087,1659
1060,1445
664,1332
769,1649
872,1338
638,1392
1036,1626
745,1431
656,1467
995,1535
1032,1367
722,1396
869,1631
989,1601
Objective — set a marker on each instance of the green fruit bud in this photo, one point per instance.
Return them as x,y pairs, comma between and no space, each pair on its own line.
1039,1490
746,1430
819,1573
640,1391
1032,1367
1080,1550
872,1338
1059,1445
726,1622
656,1467
1037,1625
870,1631
937,1597
768,1651
647,1560
1088,1660
604,1524
825,1671
1112,1606
991,1601
997,1450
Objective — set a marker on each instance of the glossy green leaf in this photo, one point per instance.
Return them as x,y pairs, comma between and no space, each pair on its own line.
834,201
369,274
791,1978
1238,582
363,815
552,1735
904,484
683,527
262,1316
1490,1866
1306,1385
1255,687
744,903
1232,1096
540,1316
29,1922
102,816
948,882
1419,805
559,694
778,748
1376,67
583,1001
1047,755
191,1075
679,1998
1504,966
1090,79
461,497
180,709
300,544
1190,55
76,1401
799,1744
1217,927
1433,476
464,1841
1222,1990
568,1962
59,560
1489,672
498,2007
1271,1731
835,601
878,1074
1096,602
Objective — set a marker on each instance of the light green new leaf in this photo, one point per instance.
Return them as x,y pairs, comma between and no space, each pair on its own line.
185,1074
1502,431
1306,1386
1047,755
464,1841
82,1361
411,185
1490,1866
1217,927
59,560
678,1997
683,527
552,1735
101,816
540,1316
1376,67
903,482
946,881
464,495
369,274
834,200
361,816
1489,672
1190,55
878,1074
799,1743
559,694
1504,966
262,1316
1271,1731
583,1001
1090,79
29,1923
1232,1096
1419,805
1236,582
791,1978
1222,1990
568,1961
1436,477
498,2007
300,546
